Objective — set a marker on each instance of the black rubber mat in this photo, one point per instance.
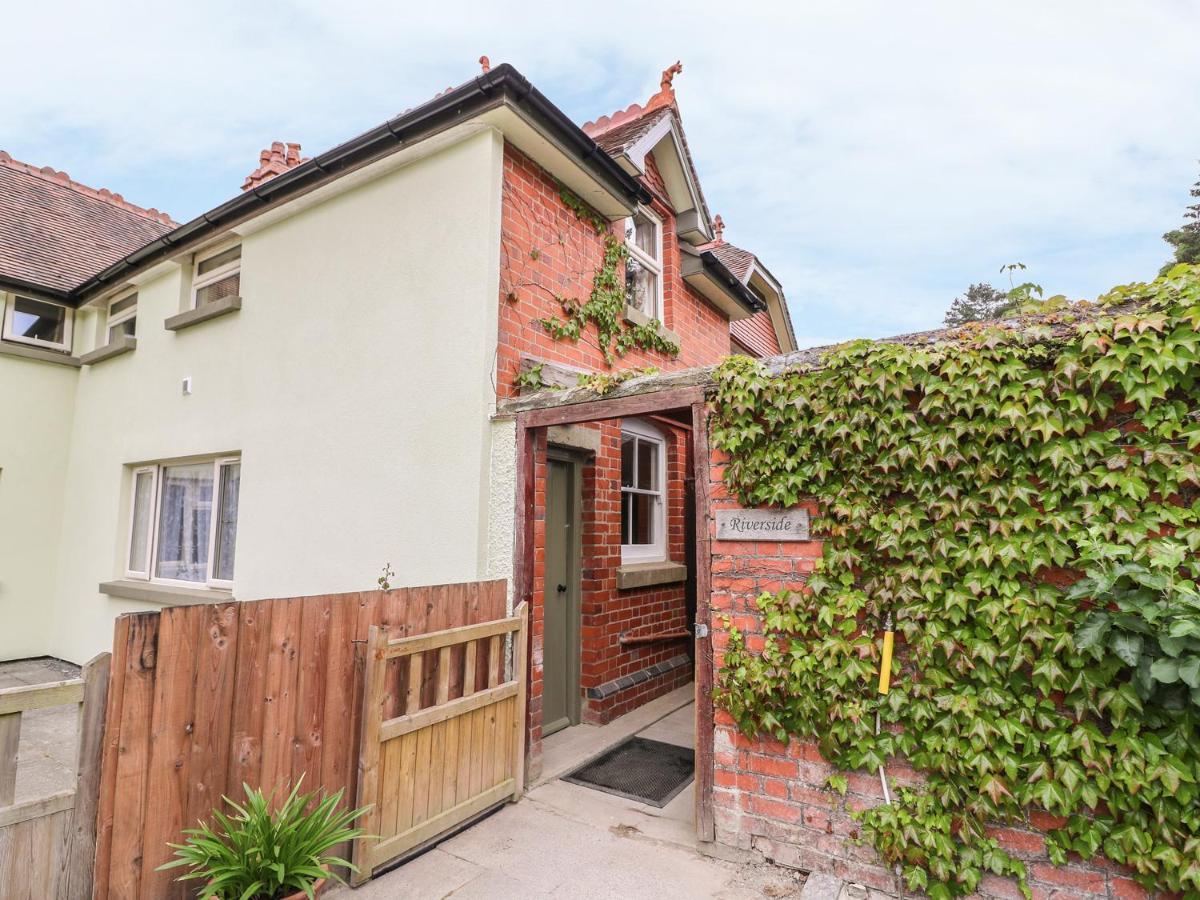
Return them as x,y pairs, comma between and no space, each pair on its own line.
647,771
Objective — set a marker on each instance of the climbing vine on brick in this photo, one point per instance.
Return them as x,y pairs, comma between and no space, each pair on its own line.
965,487
605,307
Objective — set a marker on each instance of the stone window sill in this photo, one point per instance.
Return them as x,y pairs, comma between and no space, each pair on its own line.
123,344
214,310
8,348
635,316
166,594
649,574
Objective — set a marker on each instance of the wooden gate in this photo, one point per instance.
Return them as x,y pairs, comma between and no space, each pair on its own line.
47,843
443,734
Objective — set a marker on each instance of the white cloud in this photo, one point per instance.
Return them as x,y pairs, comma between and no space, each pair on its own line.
878,156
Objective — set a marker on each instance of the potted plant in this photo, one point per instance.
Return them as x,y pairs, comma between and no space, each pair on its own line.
259,855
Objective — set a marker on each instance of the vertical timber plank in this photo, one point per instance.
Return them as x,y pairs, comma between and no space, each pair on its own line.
314,657
705,823
520,673
212,725
369,750
10,743
110,755
253,646
279,722
133,756
80,862
170,745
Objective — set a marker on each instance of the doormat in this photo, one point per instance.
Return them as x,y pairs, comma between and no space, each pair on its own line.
639,769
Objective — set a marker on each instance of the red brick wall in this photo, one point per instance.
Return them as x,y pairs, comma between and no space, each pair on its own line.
772,797
547,252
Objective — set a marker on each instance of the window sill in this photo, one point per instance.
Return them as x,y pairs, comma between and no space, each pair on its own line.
214,310
7,348
648,574
635,316
123,344
166,594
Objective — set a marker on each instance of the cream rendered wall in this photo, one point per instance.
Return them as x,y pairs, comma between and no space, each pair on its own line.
356,382
36,404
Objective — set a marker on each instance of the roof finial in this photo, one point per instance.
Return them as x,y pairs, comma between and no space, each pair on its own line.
486,64
718,225
666,92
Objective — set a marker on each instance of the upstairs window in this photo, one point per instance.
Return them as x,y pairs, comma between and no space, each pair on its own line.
183,522
643,478
39,323
217,276
122,317
643,268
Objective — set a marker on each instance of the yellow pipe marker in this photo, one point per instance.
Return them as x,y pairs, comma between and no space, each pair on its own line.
885,669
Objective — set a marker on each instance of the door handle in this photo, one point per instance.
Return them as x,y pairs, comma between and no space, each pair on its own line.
562,588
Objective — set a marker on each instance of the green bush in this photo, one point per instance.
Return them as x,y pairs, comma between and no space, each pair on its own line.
259,854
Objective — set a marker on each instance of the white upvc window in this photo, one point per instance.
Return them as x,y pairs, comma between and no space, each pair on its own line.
122,317
643,492
40,323
183,522
644,267
216,276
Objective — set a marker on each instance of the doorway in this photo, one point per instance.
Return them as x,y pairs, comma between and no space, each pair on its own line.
561,699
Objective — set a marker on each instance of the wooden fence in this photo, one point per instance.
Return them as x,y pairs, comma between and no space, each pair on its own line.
204,698
430,767
47,843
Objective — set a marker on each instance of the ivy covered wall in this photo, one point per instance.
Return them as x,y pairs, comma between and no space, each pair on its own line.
1022,499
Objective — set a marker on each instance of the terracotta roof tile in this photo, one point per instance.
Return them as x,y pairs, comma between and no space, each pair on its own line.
56,233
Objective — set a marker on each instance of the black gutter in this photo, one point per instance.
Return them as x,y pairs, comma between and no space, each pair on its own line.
484,92
729,281
20,285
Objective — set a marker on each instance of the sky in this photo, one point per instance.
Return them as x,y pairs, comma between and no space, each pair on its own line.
877,156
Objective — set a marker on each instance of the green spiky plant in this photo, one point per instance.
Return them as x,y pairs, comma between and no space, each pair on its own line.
259,855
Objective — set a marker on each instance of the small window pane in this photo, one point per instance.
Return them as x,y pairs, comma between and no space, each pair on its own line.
223,287
39,321
641,287
128,327
231,482
221,259
627,445
143,509
122,305
647,465
642,232
183,522
642,518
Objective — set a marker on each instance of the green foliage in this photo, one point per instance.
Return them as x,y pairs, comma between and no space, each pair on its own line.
257,854
385,577
961,485
533,379
605,383
983,303
1186,239
605,307
1148,617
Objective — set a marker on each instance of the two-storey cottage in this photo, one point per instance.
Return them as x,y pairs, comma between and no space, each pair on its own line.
298,387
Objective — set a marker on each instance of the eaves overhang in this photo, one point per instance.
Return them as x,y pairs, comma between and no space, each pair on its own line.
498,90
712,278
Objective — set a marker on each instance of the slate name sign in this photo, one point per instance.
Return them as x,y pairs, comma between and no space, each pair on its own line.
762,525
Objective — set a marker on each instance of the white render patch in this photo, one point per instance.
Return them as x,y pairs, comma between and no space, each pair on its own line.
502,499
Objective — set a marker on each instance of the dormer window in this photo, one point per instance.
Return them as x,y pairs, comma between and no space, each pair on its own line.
217,276
122,318
643,268
39,323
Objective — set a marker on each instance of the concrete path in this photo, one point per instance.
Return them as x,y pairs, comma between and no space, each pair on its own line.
567,841
46,754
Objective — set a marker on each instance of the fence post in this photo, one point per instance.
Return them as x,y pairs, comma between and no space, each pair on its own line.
519,666
369,752
81,849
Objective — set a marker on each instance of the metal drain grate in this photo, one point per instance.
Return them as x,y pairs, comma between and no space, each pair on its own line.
638,769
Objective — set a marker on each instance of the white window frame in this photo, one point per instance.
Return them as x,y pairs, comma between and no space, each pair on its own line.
10,310
152,538
202,281
644,259
122,317
657,551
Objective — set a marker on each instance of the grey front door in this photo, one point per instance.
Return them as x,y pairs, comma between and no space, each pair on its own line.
560,649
